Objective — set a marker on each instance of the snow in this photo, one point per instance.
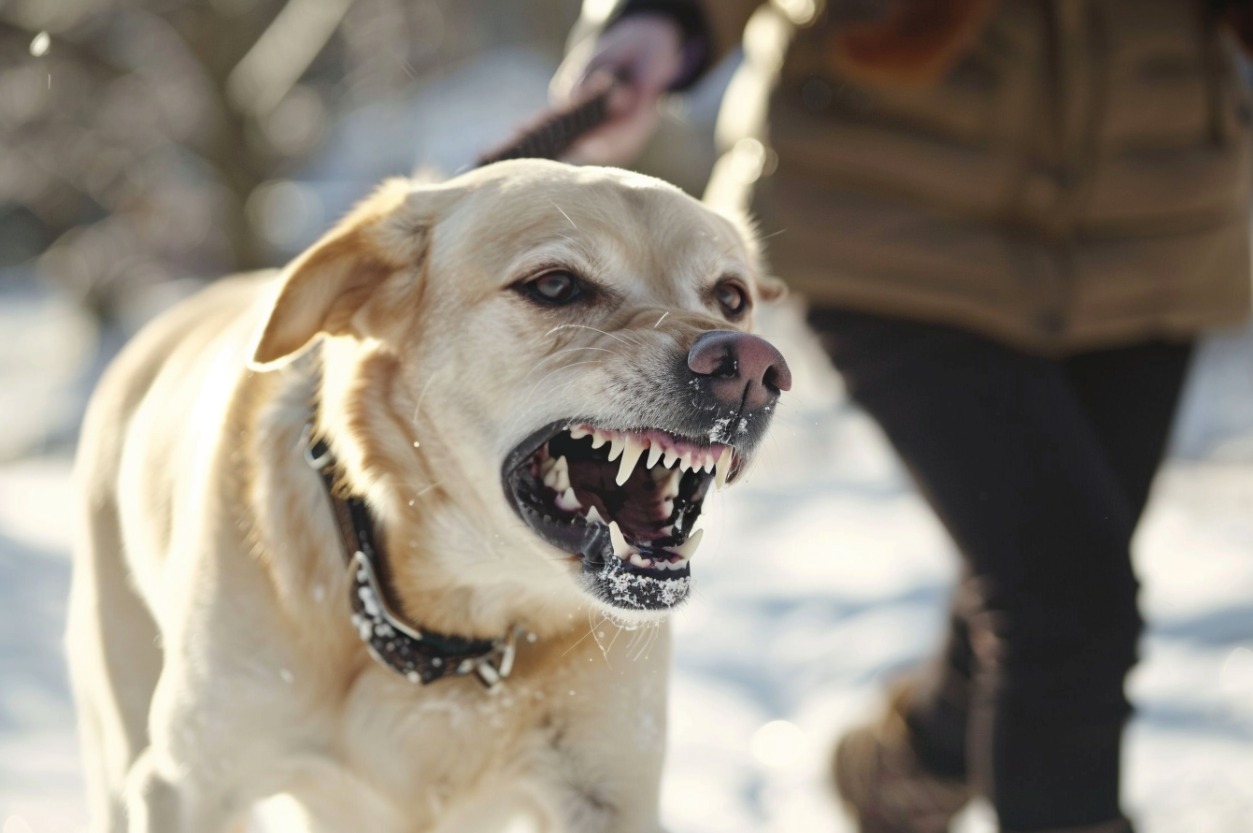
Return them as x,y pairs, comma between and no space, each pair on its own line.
822,574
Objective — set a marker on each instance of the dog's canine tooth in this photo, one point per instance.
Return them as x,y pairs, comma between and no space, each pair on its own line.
578,432
617,444
561,476
620,546
567,501
723,469
688,547
631,454
599,438
654,454
670,488
593,516
640,561
671,456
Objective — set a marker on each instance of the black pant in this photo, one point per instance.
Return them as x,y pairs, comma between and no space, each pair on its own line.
1039,468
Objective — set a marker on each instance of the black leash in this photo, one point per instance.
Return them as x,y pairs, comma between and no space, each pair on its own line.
554,132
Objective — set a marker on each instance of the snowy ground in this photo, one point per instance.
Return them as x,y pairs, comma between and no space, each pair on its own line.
819,579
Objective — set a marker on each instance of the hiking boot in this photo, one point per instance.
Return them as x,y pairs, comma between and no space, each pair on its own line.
883,784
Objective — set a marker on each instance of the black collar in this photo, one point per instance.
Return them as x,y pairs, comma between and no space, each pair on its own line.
416,654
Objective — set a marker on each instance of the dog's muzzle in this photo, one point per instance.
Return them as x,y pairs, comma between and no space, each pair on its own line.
625,500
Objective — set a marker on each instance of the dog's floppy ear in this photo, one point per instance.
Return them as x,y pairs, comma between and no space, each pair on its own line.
322,289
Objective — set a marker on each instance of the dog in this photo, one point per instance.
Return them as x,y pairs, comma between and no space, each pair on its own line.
348,528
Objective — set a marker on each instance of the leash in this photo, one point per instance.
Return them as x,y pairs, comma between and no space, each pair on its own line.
419,655
551,134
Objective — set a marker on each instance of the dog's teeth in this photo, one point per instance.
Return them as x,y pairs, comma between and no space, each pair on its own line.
707,464
560,475
579,432
670,489
593,516
617,444
630,456
568,502
685,461
654,454
688,548
598,438
620,546
723,470
640,561
670,457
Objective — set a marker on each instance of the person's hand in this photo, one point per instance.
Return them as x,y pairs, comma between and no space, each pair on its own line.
644,52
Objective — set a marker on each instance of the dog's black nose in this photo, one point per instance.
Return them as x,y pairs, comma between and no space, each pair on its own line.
739,370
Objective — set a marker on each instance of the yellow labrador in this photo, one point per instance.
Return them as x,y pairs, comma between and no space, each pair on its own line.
345,527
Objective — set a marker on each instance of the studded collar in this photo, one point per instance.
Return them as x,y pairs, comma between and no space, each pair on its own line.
419,655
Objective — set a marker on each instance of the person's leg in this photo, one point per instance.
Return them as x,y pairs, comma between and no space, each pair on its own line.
1001,444
1130,396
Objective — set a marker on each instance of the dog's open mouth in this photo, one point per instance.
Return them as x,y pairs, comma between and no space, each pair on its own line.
626,502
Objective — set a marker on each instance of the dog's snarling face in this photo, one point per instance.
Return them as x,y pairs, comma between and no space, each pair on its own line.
577,335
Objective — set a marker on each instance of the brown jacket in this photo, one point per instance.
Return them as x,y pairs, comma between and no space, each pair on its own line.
1060,174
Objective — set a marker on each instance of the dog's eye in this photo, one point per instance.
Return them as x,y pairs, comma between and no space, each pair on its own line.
732,298
556,288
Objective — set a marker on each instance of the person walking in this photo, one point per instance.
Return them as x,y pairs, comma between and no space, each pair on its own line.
1010,219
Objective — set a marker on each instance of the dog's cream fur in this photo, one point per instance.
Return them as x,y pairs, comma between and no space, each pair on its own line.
212,654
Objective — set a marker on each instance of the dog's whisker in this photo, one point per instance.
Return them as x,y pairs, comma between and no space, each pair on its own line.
417,408
561,353
564,214
612,641
577,643
604,652
552,373
615,336
559,388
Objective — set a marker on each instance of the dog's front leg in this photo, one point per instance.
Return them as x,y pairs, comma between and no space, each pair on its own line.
170,802
203,769
608,735
532,805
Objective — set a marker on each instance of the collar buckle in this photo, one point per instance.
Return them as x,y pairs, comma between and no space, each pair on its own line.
317,453
493,668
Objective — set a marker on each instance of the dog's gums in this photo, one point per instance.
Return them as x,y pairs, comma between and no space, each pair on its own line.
626,502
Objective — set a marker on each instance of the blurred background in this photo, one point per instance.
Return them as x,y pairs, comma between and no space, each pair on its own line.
149,146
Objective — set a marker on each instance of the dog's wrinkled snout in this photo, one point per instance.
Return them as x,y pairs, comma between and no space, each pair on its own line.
739,370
